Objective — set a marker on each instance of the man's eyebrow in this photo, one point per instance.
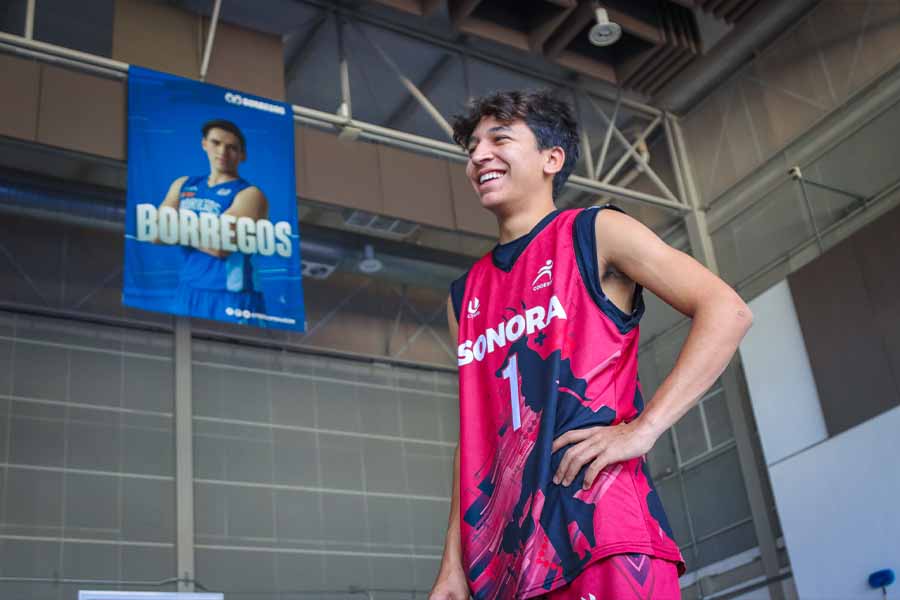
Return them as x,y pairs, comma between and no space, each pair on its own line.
474,138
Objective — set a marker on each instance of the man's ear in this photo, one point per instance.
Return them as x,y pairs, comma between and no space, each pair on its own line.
554,159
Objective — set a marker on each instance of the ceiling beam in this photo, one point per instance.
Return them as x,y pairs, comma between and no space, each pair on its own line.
461,9
407,107
539,35
429,6
573,25
303,49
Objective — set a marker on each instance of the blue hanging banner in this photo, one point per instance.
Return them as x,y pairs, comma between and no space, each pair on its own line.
211,229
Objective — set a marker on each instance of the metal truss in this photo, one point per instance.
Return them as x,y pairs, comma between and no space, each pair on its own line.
345,125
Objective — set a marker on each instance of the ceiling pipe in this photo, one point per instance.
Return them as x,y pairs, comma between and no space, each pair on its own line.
754,32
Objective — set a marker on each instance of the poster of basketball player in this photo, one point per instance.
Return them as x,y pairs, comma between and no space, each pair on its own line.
211,227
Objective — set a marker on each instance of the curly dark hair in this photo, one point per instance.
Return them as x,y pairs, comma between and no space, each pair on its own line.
549,118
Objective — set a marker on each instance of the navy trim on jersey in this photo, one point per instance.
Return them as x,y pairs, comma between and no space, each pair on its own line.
457,291
585,237
505,255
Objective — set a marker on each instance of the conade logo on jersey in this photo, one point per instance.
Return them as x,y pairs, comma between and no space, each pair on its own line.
508,331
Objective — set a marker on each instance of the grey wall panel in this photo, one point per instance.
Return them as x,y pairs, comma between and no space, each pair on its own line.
82,112
246,60
467,210
879,261
416,187
327,161
843,335
157,36
19,101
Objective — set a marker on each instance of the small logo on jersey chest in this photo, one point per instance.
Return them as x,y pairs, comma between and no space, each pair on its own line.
224,191
472,309
544,276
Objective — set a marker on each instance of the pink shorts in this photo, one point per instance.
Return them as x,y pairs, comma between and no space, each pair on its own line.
623,577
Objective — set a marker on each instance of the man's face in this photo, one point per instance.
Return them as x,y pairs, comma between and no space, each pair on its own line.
224,150
504,162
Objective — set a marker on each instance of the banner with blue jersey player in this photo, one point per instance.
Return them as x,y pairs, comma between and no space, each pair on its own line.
211,227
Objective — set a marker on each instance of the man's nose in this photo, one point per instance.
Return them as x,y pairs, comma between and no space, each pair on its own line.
481,154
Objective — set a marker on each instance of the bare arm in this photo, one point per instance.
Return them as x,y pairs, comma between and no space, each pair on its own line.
451,581
249,202
719,320
173,195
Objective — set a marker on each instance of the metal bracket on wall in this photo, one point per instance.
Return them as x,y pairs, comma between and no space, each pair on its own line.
797,175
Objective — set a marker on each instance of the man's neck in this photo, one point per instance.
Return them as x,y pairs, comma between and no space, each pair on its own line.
520,222
216,177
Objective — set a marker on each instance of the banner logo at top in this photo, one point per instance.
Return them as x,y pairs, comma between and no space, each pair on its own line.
211,225
238,100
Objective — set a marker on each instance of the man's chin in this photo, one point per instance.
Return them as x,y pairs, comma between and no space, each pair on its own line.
492,201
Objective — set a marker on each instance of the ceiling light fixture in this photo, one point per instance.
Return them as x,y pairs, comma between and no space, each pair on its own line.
604,32
369,264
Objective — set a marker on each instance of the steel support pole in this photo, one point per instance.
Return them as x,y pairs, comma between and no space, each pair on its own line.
585,140
749,461
29,20
405,110
704,251
631,152
302,52
608,137
409,85
346,108
210,38
184,456
695,221
674,157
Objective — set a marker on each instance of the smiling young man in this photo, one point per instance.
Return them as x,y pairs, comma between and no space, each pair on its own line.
551,493
212,280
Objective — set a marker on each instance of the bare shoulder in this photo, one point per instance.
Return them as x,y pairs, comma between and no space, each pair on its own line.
251,193
250,202
619,236
179,181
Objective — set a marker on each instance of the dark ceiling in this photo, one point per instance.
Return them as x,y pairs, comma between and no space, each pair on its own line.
659,37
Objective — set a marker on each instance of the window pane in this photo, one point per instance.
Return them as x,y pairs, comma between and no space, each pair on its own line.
669,491
90,448
690,435
726,544
715,493
717,419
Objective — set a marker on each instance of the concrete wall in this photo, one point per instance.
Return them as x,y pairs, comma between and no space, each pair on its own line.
838,506
835,495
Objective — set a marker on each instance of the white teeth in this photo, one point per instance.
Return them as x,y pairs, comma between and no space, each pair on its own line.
489,176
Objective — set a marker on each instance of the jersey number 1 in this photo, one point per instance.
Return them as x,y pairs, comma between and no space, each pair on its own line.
511,372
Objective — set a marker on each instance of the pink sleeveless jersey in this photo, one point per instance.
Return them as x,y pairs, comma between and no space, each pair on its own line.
540,355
